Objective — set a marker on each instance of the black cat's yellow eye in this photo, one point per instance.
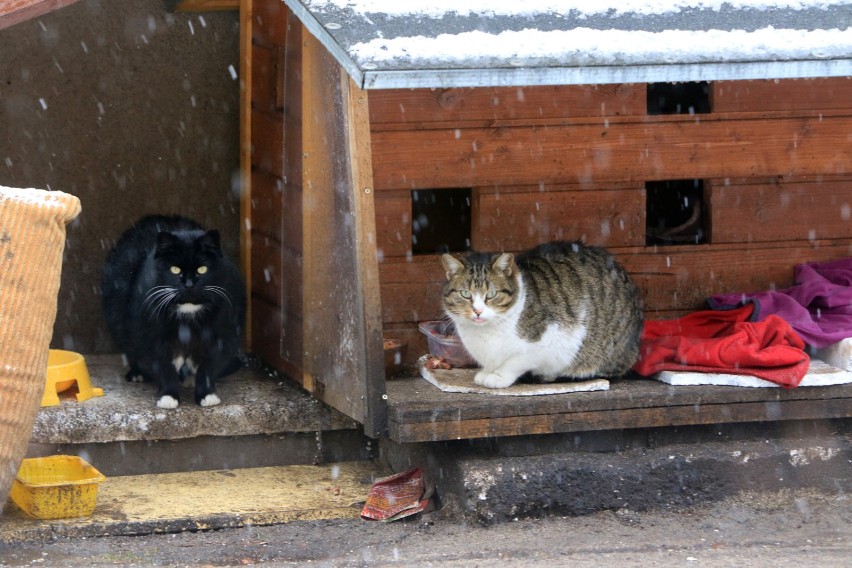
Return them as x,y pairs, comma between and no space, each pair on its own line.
201,270
491,293
465,294
175,269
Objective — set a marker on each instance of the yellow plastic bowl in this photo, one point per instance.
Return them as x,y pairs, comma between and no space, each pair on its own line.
63,368
56,487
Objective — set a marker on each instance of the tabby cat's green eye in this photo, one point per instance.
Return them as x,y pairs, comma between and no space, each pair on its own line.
491,293
465,294
202,270
175,269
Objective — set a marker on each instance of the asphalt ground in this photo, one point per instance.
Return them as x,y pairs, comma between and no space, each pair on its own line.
778,529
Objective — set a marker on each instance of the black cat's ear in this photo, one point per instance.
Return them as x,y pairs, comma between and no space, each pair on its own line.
504,263
165,242
451,265
209,242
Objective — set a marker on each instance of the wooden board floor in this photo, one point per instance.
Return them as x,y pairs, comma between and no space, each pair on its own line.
420,412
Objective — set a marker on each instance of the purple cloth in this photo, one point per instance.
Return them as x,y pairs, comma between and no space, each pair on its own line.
818,306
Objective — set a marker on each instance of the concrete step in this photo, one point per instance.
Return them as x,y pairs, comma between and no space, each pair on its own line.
264,420
207,500
500,480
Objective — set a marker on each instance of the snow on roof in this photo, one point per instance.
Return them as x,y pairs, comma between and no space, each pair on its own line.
450,43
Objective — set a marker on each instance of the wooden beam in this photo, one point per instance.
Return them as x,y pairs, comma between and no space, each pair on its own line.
344,357
245,7
420,412
367,264
789,211
420,108
618,420
668,148
209,5
786,94
676,278
16,11
604,216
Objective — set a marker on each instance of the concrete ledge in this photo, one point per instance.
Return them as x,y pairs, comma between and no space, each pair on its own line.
216,452
253,402
487,486
640,480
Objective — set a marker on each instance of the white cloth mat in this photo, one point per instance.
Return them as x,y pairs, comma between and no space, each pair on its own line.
461,381
819,373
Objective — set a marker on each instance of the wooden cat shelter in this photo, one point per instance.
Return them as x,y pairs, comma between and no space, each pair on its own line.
343,157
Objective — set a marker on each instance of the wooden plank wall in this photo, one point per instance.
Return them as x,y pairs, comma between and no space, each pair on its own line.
276,239
571,163
16,11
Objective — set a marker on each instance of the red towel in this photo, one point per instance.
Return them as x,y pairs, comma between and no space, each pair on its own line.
724,342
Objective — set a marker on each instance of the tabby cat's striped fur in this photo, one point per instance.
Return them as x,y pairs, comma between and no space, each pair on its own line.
559,310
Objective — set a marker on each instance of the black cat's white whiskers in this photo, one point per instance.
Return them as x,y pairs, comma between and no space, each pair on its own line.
158,298
154,292
221,292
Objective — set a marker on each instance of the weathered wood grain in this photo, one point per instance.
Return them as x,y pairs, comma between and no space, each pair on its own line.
393,223
783,211
269,21
266,204
780,95
342,335
516,218
671,279
413,109
420,412
268,141
16,11
710,146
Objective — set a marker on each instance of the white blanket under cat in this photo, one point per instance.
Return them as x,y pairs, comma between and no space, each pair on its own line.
461,381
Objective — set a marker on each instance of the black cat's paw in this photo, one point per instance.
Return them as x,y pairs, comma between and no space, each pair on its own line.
167,402
209,400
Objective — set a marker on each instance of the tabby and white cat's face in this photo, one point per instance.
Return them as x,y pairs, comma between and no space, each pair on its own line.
481,287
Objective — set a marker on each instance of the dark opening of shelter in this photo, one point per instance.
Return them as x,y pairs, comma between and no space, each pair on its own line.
675,212
440,220
678,98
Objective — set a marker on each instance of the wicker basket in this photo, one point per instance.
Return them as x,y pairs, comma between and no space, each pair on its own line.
32,239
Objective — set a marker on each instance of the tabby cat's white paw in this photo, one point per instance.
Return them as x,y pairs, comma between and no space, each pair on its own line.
210,400
492,380
168,402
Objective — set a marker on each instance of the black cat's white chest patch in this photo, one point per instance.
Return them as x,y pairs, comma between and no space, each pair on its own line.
189,310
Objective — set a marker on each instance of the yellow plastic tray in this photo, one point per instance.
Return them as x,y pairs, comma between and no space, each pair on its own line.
56,487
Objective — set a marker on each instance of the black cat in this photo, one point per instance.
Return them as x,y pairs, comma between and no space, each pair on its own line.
175,305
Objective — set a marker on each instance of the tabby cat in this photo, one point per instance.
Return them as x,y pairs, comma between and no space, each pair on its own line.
175,305
559,310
